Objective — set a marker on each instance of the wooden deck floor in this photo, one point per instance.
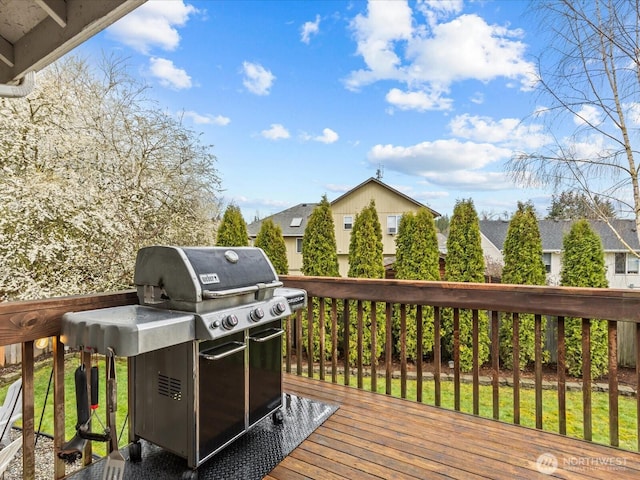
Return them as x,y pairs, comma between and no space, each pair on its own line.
376,436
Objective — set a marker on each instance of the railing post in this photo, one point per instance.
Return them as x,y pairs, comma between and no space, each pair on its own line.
58,406
374,342
515,317
334,340
538,368
345,319
456,359
403,350
495,363
360,341
321,333
476,362
562,381
586,379
387,348
419,353
614,438
28,424
437,356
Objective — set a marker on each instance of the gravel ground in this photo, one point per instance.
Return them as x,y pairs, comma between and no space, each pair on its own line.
44,461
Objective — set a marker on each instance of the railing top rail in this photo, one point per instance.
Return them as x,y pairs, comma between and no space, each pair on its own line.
29,320
24,321
604,303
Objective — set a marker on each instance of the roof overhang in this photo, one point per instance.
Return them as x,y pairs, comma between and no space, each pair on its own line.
35,33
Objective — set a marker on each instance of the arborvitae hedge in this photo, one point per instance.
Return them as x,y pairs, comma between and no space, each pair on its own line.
417,258
232,231
523,265
270,240
319,250
365,261
583,266
320,258
465,263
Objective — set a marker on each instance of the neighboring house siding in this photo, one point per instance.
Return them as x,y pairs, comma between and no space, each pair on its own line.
388,201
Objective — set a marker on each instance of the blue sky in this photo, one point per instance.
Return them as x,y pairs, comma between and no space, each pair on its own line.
305,98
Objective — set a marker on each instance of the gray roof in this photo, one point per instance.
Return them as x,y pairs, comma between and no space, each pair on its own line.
285,219
552,233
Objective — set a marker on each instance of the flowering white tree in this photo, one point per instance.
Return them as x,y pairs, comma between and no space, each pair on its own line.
92,170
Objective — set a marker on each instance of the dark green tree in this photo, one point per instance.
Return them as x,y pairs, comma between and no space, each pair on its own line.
523,265
319,250
583,266
232,231
365,261
465,263
320,258
417,258
365,247
571,205
270,240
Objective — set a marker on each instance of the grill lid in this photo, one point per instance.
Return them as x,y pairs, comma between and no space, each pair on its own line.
179,276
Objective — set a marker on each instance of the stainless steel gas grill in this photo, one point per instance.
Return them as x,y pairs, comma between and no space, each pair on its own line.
205,346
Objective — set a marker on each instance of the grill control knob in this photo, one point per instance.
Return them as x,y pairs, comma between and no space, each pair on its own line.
279,308
229,321
256,314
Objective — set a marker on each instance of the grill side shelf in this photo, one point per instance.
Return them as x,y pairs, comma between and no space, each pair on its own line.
129,330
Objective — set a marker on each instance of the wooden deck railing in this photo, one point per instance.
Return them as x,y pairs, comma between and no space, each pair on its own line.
560,302
24,322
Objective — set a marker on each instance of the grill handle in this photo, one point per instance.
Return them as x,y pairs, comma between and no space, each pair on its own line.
236,347
275,333
211,294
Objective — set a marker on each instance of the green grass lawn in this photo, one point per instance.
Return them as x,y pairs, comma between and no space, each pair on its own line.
72,361
600,404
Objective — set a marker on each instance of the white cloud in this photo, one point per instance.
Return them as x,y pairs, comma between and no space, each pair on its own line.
168,74
257,79
153,24
308,29
470,180
505,132
276,132
588,114
633,112
207,119
418,100
431,58
439,156
434,10
376,34
328,136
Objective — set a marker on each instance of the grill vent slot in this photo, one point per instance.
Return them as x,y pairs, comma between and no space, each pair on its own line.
169,387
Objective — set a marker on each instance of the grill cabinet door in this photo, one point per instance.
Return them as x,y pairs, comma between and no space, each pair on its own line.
222,392
265,370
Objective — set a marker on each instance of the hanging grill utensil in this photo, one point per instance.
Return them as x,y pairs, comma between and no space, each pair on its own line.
115,463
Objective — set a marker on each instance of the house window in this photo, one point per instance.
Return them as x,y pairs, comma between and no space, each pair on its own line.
347,222
296,222
393,221
298,245
546,259
626,263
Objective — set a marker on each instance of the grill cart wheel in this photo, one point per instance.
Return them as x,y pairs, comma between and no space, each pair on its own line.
135,452
278,417
189,475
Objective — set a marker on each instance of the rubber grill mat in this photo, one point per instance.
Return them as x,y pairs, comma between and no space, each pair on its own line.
250,457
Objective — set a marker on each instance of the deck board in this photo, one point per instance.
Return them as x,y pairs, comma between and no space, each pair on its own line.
377,436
